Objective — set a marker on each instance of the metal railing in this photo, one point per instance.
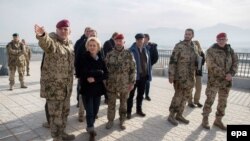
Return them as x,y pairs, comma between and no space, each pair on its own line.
243,68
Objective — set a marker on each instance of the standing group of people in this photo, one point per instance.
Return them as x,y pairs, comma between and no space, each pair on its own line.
117,72
112,71
185,71
19,54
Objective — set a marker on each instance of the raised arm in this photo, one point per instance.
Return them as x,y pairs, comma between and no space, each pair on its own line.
45,42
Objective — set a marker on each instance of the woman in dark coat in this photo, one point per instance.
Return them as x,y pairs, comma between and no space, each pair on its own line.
93,73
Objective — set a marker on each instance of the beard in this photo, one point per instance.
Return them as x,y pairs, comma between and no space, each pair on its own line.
119,48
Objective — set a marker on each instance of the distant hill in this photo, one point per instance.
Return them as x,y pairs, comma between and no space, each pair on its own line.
238,37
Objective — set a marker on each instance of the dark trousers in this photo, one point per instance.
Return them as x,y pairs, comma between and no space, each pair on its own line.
105,95
91,105
147,88
140,85
47,112
78,89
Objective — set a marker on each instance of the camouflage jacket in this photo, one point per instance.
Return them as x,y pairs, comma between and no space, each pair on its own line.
221,61
16,53
58,67
182,64
121,70
27,52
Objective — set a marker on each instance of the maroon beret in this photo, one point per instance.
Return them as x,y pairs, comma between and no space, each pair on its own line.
221,35
119,36
63,23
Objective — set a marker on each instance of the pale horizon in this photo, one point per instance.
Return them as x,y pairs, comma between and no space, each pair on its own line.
128,17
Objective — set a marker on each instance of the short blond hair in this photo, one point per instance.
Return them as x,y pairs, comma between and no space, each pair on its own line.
95,39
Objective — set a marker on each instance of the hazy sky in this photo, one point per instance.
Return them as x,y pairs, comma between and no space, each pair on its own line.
126,16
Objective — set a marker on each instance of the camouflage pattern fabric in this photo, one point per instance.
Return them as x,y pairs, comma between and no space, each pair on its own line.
182,68
220,61
122,72
27,58
16,60
57,80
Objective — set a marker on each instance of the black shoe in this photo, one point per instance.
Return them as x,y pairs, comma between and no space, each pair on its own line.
92,135
128,115
191,105
199,105
140,113
148,98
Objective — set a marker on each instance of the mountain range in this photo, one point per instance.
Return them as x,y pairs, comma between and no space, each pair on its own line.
167,37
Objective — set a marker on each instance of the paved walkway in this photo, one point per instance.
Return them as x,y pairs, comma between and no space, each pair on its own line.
22,114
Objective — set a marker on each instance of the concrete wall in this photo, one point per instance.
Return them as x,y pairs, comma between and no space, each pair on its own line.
238,82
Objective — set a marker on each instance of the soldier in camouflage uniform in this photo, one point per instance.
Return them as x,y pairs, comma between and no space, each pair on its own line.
16,60
27,57
121,69
181,72
222,64
57,76
198,75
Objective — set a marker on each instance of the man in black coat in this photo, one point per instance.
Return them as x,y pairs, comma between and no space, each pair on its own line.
109,44
79,50
152,47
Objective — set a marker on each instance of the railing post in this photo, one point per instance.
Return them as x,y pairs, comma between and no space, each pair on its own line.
3,61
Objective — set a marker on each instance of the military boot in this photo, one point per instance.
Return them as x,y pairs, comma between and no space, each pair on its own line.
205,123
66,136
109,124
219,123
11,87
57,139
171,119
180,118
122,126
23,86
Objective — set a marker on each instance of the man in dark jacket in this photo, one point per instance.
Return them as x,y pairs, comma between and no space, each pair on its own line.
143,68
109,44
79,49
152,48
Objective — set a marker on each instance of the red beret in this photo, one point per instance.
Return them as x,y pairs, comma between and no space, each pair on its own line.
221,35
119,36
63,23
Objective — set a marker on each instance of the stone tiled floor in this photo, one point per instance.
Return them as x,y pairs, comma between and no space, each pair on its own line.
22,114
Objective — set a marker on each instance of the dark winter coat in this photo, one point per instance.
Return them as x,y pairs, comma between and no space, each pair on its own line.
90,67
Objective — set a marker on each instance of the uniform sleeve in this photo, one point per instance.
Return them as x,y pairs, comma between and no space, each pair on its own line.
173,62
12,51
212,66
235,62
132,72
46,43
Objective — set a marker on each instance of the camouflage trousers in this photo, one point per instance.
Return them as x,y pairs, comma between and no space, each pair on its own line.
179,99
197,93
123,96
58,114
12,71
211,92
27,66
